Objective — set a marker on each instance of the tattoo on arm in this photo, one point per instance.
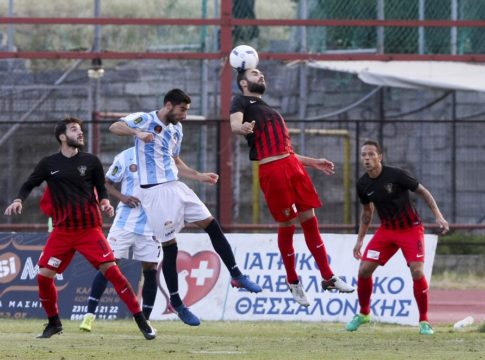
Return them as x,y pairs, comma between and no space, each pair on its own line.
366,219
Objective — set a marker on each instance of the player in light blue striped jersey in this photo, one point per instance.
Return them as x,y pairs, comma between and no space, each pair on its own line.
168,202
130,230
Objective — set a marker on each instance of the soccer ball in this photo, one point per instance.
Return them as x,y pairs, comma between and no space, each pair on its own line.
243,57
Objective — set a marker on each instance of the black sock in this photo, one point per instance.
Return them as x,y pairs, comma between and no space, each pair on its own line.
222,247
97,289
55,320
149,291
169,269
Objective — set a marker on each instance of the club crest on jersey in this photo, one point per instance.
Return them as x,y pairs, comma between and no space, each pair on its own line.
287,212
389,188
82,170
133,168
115,170
158,129
138,120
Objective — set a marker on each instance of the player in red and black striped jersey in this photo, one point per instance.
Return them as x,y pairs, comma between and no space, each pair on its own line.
288,190
72,180
386,189
75,181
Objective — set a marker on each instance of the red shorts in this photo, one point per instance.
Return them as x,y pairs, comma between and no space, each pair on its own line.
61,246
386,242
287,188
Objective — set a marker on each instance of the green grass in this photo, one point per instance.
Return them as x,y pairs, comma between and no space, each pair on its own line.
237,340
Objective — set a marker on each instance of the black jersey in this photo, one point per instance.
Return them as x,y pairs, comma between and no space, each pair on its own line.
74,184
270,135
389,193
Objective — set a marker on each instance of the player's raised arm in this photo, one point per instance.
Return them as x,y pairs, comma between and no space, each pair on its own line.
190,173
121,128
324,165
238,126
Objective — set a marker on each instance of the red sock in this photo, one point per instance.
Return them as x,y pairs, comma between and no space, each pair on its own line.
316,246
123,288
364,291
285,244
48,295
420,288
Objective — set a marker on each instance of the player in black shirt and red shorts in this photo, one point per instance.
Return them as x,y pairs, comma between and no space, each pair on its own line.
288,190
386,189
75,181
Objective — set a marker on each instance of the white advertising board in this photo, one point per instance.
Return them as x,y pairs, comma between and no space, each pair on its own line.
204,282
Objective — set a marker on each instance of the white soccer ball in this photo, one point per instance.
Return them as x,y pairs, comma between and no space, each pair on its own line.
243,57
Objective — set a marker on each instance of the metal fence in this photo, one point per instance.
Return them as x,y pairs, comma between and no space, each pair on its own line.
395,39
445,156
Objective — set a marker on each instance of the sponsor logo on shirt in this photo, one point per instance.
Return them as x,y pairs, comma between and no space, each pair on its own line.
138,120
115,170
169,229
54,262
373,254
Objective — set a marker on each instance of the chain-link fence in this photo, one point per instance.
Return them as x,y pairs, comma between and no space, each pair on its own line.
425,40
35,139
316,39
445,156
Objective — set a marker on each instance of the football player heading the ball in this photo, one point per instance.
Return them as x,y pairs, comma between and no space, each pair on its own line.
243,57
288,189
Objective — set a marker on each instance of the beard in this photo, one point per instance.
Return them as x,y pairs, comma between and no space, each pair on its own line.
171,118
75,143
256,87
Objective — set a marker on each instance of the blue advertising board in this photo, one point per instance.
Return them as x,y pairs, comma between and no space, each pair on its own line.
19,297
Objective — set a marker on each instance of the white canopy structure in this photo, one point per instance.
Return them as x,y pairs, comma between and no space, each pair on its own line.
412,74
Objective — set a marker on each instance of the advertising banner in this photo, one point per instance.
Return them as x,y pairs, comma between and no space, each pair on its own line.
19,296
205,282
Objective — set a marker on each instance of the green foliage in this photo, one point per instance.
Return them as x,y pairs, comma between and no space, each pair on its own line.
481,327
461,243
132,38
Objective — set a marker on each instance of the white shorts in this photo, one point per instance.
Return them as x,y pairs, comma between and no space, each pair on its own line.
145,248
169,206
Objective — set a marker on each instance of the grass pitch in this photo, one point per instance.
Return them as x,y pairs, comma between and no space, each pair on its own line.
121,339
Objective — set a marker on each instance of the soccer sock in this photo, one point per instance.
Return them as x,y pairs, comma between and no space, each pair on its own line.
285,245
48,295
420,287
364,292
149,291
170,274
222,247
97,289
316,246
123,288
